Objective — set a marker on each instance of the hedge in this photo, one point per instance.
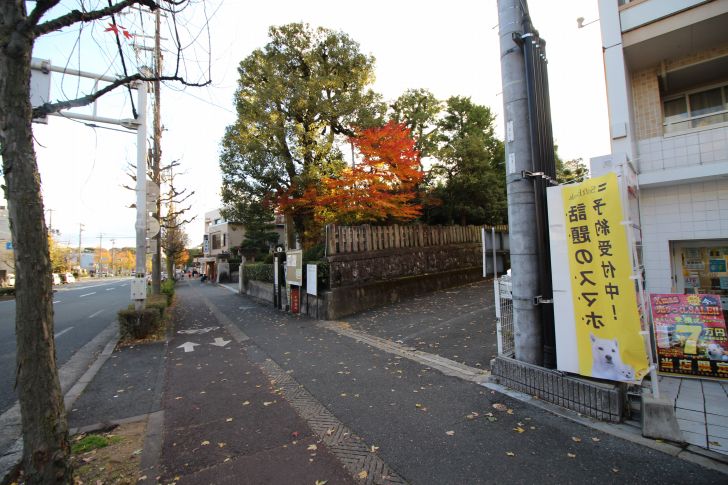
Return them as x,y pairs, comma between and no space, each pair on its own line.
259,272
138,325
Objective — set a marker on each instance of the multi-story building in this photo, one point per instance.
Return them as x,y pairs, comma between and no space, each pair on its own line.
7,262
666,67
221,241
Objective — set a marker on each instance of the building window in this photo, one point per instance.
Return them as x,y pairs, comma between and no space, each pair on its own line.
216,241
695,109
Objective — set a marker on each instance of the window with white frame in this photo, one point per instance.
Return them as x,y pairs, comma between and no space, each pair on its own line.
696,108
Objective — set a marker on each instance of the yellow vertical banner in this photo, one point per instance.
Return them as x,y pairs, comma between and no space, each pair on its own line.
604,297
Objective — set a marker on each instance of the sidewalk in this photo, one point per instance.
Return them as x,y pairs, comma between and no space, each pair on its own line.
224,420
264,396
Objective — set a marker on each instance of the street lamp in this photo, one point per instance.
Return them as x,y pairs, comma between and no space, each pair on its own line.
580,22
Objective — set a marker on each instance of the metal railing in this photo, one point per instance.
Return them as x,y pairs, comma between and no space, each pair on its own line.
504,315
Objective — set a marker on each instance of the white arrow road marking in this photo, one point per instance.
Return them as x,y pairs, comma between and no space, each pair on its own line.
62,332
188,346
87,294
220,342
200,331
94,314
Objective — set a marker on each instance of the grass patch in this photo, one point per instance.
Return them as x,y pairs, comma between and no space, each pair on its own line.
116,462
94,442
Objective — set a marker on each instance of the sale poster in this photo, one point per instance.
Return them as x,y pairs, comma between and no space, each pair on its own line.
690,334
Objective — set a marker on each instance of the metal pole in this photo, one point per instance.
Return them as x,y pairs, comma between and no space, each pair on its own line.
141,189
521,200
495,256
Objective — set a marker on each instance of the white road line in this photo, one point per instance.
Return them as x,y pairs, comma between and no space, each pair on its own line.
109,289
57,301
94,314
87,294
62,332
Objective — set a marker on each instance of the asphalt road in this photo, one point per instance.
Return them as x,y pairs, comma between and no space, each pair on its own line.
81,311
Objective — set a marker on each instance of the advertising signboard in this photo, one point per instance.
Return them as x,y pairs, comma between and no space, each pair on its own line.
595,301
690,335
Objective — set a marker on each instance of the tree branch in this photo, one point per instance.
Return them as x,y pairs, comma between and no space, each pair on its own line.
41,7
76,16
48,108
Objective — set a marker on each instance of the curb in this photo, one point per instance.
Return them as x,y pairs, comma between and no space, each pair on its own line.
71,376
694,454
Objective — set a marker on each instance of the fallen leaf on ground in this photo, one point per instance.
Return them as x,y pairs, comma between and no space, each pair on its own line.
576,439
295,434
509,411
205,443
450,433
500,407
374,449
615,470
321,482
330,431
229,419
267,403
418,405
312,448
571,455
221,445
510,453
363,474
246,403
596,440
519,429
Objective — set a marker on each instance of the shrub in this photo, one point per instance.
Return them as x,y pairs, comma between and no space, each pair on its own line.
7,291
269,258
138,325
158,302
167,289
259,272
314,253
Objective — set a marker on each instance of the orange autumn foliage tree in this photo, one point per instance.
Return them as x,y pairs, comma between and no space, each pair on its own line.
382,187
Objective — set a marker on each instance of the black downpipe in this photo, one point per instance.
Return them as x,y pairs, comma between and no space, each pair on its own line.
543,162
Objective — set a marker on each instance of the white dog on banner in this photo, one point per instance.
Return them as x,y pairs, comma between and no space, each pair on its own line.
607,362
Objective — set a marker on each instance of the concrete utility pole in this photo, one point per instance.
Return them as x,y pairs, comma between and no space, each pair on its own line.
521,197
141,190
157,152
80,230
101,249
113,243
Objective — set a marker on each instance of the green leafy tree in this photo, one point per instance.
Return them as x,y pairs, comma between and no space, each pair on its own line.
297,98
571,171
258,219
418,110
470,173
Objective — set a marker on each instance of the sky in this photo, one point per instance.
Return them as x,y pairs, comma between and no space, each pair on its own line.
450,48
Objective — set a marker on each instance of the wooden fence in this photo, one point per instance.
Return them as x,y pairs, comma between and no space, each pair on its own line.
357,239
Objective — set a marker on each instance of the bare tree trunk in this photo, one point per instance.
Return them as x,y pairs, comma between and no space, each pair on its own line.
45,432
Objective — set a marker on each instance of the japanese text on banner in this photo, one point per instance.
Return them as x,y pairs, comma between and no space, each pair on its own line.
605,301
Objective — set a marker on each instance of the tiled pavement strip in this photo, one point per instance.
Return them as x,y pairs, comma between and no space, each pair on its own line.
356,456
